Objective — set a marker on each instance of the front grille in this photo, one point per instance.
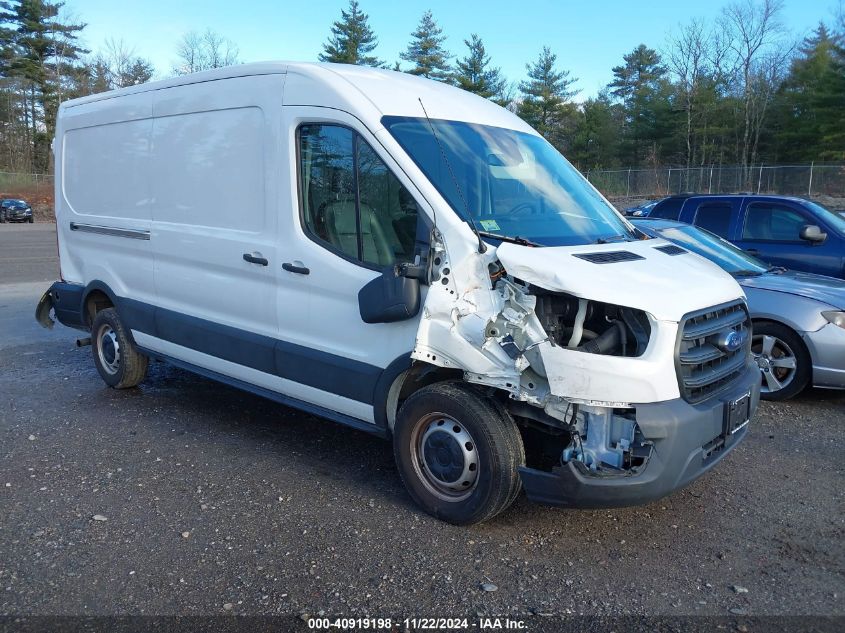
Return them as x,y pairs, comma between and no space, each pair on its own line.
705,366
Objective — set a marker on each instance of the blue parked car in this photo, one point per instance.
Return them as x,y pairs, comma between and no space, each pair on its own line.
641,210
799,318
783,231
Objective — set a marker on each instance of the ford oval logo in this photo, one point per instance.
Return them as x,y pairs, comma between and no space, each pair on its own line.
730,341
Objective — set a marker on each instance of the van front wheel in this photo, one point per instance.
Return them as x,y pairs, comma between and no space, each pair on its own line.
119,362
458,453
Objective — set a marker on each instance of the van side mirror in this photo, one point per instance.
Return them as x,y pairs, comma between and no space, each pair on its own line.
392,296
812,233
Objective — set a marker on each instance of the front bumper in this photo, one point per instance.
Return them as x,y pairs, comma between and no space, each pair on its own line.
827,349
684,449
18,216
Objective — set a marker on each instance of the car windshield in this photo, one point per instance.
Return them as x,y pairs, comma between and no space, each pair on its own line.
724,254
511,183
837,220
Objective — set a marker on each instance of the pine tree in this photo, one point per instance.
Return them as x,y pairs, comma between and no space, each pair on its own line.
546,104
141,71
352,39
810,107
595,142
640,85
474,73
42,53
426,51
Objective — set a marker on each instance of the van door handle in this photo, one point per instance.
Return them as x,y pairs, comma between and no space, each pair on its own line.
293,268
255,259
752,251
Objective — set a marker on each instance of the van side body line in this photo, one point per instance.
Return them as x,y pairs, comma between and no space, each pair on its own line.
136,234
342,376
321,370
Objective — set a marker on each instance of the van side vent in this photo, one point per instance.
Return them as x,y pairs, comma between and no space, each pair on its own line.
671,249
609,257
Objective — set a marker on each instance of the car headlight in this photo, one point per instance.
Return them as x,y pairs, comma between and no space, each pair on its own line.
835,317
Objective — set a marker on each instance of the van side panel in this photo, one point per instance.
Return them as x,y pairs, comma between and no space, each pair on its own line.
211,149
103,194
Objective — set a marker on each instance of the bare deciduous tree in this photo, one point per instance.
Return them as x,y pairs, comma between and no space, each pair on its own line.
695,57
757,54
204,51
117,66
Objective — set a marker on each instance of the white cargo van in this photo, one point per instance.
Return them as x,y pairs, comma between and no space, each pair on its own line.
406,258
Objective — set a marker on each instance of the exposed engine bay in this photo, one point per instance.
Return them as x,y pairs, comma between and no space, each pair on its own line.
591,326
525,340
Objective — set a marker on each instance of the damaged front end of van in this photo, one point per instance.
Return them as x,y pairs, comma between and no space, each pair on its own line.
621,392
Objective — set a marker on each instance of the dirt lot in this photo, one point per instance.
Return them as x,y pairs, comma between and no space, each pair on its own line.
214,501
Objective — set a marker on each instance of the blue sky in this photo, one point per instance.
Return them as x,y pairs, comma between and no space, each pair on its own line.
589,37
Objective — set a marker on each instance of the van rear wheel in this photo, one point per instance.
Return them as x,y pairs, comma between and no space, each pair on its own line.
116,357
458,453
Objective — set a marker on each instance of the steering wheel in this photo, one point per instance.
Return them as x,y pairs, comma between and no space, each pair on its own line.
523,208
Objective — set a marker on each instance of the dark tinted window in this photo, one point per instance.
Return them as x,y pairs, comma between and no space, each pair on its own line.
351,200
773,223
715,217
668,209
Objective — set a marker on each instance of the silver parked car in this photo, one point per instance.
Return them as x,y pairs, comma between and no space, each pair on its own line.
799,318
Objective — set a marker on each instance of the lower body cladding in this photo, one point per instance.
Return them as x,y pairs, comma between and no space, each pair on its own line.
618,459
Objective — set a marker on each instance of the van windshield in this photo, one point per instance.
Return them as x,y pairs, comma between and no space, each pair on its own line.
512,183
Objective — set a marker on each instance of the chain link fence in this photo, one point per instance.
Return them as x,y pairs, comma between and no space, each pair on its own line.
11,180
815,179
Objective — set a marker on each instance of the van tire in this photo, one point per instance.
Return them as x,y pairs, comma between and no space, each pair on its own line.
116,357
497,453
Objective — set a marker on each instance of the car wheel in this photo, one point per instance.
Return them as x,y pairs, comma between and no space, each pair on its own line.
784,362
117,358
457,453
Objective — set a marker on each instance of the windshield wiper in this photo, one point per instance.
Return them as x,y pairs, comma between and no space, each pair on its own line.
507,238
746,273
611,239
776,269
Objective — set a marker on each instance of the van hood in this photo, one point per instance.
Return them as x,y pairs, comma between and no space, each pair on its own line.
639,275
827,290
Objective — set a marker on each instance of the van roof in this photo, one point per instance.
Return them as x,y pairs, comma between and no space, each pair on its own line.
389,92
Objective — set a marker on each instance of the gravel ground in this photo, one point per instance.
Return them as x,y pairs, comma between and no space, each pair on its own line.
187,497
